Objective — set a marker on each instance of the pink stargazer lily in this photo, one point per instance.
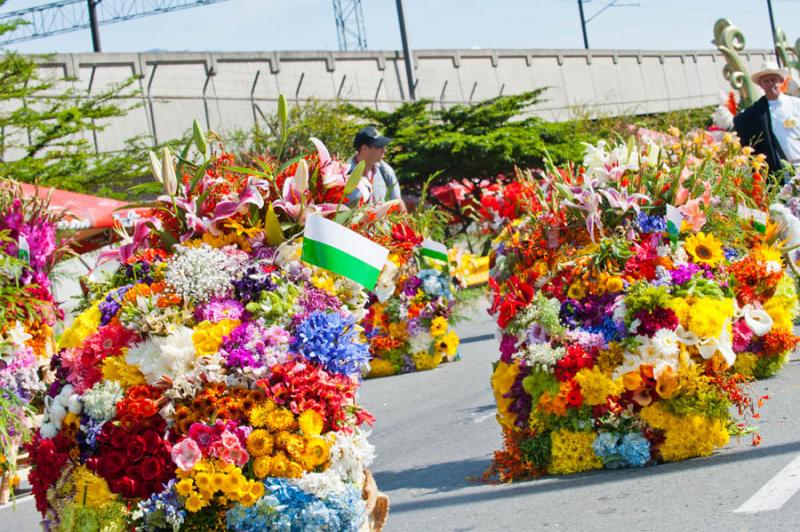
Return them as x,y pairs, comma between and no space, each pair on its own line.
588,200
622,200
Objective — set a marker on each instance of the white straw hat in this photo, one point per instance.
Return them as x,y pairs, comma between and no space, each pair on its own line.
769,67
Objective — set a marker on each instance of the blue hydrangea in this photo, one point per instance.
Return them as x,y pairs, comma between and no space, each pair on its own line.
435,283
162,511
651,224
331,341
617,450
287,508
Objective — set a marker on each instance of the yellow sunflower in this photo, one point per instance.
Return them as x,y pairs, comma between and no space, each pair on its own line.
769,253
704,249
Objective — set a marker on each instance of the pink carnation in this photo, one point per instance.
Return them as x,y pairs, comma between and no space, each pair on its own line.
186,454
741,336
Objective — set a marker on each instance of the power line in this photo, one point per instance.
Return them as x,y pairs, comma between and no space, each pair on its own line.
73,15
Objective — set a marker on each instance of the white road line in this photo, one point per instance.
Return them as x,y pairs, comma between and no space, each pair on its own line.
776,492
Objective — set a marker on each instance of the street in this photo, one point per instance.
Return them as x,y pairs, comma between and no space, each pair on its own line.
435,433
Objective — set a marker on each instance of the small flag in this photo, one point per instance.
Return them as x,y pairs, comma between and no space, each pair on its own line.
674,221
24,249
756,217
336,248
434,250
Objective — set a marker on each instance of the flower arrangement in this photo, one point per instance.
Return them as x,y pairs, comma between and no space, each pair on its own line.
29,249
211,382
410,316
634,301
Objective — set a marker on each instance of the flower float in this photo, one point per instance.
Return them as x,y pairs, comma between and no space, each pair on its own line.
211,382
29,248
635,300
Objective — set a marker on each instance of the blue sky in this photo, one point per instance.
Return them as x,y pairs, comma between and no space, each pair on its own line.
249,25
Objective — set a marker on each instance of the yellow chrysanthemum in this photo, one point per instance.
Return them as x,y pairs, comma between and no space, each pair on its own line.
780,314
280,419
596,386
317,453
438,326
424,360
707,316
686,436
204,481
448,344
246,498
259,443
233,482
262,466
117,369
572,452
219,481
704,249
194,503
185,487
84,325
311,423
279,466
91,489
259,413
378,367
745,364
256,489
769,253
207,336
502,379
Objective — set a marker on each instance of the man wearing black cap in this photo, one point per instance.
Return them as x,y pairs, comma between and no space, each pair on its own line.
370,147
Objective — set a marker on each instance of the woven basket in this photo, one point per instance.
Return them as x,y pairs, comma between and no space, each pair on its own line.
377,505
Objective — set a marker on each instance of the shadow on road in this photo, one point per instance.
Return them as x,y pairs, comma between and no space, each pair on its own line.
451,476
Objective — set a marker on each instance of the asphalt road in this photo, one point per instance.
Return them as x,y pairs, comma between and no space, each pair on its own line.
436,431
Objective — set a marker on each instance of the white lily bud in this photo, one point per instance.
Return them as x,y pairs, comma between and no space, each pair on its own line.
301,177
168,173
155,167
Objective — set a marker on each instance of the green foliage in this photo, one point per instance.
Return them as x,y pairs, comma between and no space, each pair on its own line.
46,134
471,142
327,122
537,450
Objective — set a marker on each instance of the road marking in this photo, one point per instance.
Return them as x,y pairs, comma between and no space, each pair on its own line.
776,492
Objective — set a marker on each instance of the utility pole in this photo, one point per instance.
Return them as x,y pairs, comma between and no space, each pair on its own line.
406,51
583,25
774,36
93,26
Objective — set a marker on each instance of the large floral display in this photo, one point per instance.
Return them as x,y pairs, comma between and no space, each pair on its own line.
29,249
211,382
635,299
410,320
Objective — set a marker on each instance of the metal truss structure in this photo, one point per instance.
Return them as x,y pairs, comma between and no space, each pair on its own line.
350,24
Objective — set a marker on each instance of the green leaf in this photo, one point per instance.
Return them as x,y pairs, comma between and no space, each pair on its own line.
145,188
355,177
273,228
199,137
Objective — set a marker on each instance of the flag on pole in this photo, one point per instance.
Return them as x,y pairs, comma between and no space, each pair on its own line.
674,221
434,250
332,246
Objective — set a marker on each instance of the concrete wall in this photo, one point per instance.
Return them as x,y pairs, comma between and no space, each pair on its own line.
231,90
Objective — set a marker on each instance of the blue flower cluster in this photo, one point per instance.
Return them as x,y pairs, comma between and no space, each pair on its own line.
622,450
162,511
435,283
287,508
332,341
651,224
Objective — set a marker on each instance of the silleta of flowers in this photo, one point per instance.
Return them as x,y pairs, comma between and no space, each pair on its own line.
28,250
211,382
635,299
410,318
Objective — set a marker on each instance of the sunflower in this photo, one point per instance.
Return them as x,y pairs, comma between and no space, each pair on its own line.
704,249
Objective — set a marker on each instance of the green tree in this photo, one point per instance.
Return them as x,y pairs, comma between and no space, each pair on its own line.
45,135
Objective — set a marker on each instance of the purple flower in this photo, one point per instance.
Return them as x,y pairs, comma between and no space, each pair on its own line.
314,299
508,346
220,309
111,304
411,286
683,273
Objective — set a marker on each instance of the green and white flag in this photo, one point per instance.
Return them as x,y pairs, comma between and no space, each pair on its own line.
756,217
332,246
674,221
434,250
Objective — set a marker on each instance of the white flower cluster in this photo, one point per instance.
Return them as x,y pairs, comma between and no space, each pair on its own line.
542,356
660,351
200,273
789,223
350,455
67,401
169,356
100,403
421,342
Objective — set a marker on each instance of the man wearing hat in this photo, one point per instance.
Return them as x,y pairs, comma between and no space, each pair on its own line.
772,124
370,147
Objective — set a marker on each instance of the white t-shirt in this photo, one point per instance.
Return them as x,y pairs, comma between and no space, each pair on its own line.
785,114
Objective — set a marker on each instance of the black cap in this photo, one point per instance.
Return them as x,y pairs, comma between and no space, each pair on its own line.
370,136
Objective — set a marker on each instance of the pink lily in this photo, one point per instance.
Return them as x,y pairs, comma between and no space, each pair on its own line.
588,201
692,213
622,200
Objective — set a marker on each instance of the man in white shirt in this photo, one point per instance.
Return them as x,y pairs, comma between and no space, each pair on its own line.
370,147
772,124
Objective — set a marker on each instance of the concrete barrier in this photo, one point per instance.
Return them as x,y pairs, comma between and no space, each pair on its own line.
232,90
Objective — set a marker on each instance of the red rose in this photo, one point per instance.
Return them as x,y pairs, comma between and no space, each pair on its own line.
110,464
152,441
119,438
151,468
125,486
136,448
